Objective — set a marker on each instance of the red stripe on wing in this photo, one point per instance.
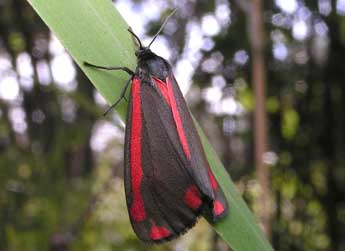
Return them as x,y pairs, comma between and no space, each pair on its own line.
163,88
212,179
168,94
137,209
177,118
218,207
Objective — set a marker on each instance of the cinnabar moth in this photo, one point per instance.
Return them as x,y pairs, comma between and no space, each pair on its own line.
168,181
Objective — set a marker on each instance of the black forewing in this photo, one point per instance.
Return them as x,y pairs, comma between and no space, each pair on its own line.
166,177
198,161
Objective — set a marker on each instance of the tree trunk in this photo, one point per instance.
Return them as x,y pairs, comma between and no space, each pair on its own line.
257,40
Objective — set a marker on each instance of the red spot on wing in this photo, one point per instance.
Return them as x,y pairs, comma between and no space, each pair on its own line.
218,208
177,119
137,210
212,179
192,197
158,233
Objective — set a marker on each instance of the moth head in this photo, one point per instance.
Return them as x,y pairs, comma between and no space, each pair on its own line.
143,52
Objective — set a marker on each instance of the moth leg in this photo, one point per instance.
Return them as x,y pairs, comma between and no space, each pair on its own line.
122,96
124,90
111,68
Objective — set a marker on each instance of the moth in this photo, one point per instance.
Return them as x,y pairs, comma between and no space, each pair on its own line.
168,180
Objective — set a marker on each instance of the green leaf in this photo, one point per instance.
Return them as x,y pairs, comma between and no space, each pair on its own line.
93,31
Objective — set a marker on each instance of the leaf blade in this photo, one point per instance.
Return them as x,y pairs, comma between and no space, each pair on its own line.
90,30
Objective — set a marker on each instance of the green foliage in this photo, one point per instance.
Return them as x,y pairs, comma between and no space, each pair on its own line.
272,105
290,123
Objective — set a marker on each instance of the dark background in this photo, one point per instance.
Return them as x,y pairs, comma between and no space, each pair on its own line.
61,164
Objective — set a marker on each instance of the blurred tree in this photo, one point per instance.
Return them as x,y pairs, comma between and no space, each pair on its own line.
257,40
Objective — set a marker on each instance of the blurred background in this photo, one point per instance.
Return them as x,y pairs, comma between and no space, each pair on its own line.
61,161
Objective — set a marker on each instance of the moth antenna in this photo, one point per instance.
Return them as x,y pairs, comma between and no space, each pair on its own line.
162,26
136,37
